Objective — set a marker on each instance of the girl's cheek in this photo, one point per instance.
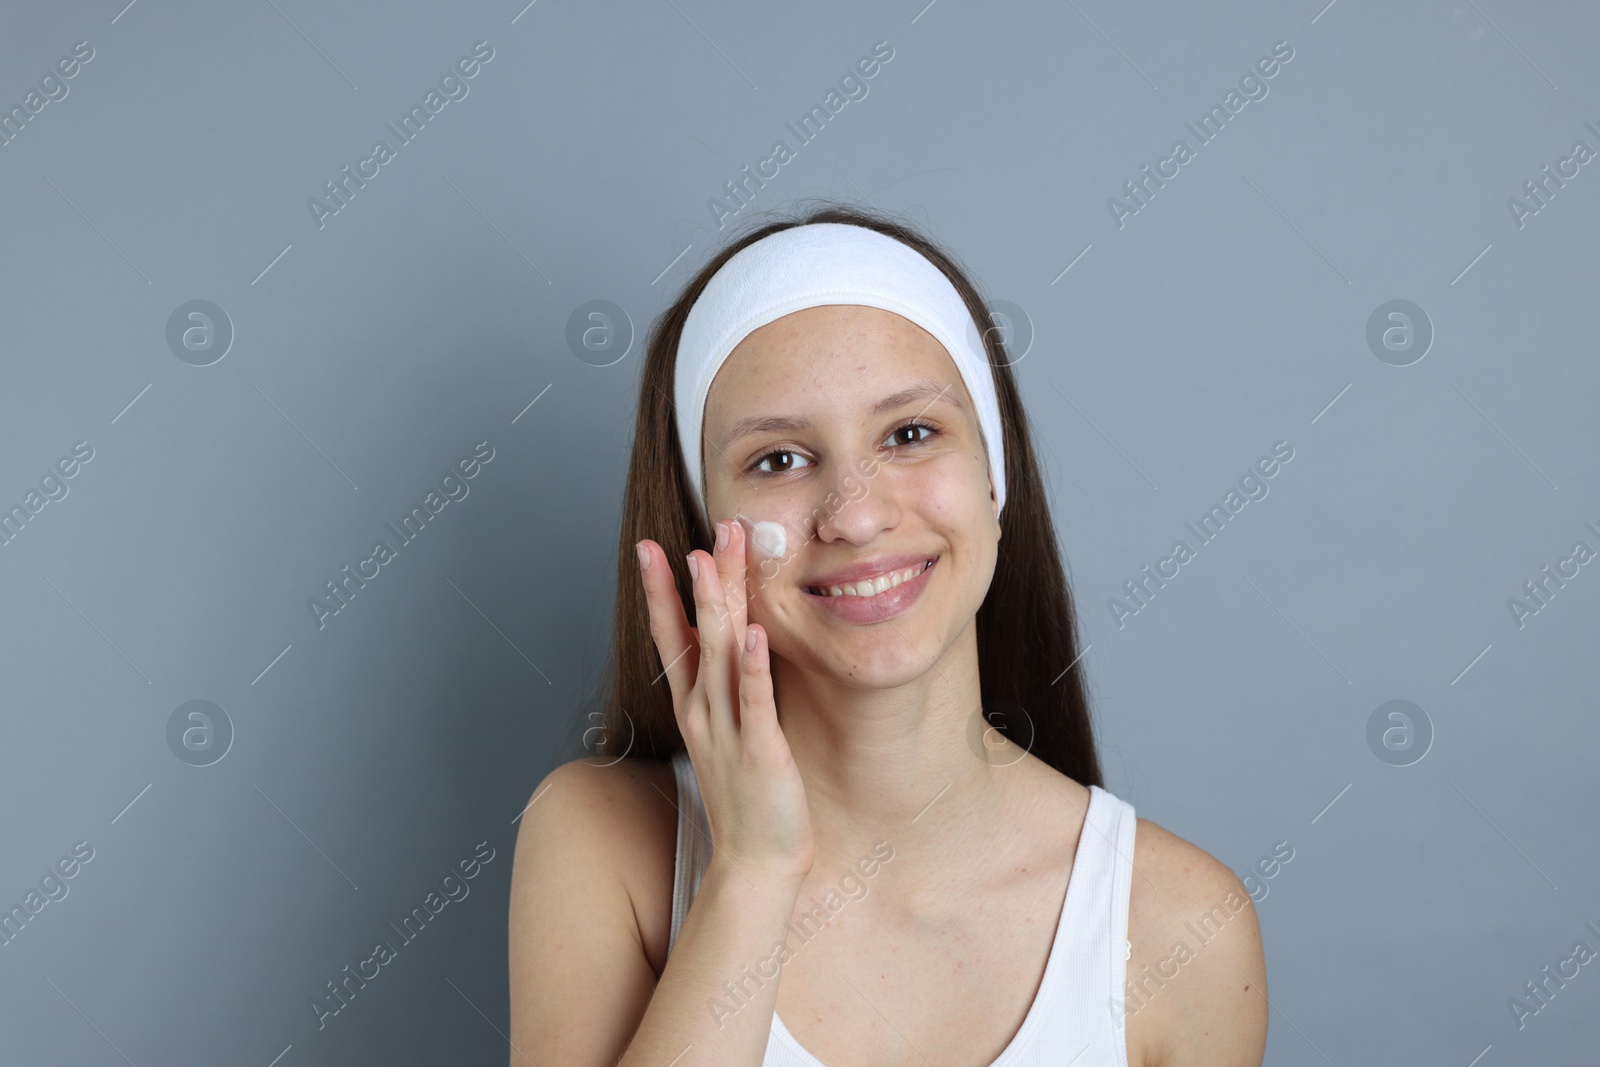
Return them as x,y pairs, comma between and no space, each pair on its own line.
767,541
770,539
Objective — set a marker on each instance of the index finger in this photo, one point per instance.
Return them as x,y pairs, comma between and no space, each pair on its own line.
735,573
669,626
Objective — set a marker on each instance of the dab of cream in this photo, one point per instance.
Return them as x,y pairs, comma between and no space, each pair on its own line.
769,538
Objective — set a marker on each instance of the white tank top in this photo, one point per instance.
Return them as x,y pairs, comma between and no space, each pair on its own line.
1076,1016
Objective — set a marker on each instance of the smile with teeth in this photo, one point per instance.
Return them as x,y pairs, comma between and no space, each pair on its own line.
872,587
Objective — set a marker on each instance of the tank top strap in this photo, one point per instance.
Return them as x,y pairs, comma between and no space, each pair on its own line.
1090,997
694,843
1121,891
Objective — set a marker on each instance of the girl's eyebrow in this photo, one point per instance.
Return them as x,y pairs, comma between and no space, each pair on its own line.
931,391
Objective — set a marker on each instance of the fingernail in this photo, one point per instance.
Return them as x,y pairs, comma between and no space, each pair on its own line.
694,567
750,639
722,536
644,557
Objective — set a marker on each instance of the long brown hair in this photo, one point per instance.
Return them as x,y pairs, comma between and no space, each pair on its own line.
1027,635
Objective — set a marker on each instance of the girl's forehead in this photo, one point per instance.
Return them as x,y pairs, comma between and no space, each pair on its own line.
740,412
828,325
835,355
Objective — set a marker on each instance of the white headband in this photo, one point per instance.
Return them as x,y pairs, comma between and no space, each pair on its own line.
825,263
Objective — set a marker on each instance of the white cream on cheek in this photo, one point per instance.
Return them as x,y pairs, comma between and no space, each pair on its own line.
769,539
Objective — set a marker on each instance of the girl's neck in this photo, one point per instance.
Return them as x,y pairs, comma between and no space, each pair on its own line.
910,765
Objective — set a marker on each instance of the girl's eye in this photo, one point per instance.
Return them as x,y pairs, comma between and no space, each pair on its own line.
782,469
916,438
912,426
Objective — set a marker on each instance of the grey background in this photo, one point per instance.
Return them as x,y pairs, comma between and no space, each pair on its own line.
371,354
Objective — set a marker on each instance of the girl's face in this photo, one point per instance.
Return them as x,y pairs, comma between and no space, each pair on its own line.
851,427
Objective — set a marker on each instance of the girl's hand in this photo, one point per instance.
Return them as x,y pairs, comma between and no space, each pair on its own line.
722,698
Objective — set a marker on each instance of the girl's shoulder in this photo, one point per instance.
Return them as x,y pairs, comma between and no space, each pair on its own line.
1194,952
590,906
627,820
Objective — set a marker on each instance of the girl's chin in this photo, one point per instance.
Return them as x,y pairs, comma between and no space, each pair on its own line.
875,664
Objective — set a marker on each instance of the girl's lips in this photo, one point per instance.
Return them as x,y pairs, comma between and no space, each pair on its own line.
870,609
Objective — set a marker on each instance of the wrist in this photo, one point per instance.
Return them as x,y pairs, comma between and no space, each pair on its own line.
743,878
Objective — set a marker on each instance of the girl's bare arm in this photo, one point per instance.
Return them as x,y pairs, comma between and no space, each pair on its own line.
582,990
